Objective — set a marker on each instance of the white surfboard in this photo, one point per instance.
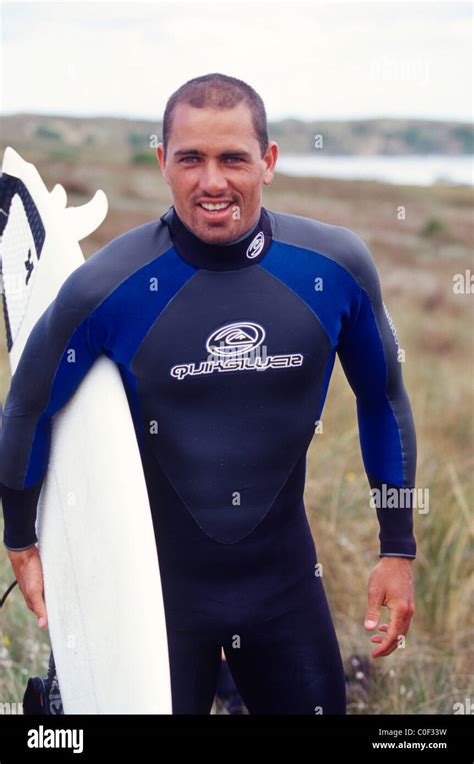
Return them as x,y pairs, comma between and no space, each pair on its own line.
95,533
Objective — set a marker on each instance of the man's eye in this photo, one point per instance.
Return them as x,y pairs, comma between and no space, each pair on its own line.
193,160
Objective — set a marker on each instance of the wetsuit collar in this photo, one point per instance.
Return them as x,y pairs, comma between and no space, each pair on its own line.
247,250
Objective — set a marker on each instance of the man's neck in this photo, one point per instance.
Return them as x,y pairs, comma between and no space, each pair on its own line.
247,249
227,243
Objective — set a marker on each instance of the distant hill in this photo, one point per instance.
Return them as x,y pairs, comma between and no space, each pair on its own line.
376,136
115,139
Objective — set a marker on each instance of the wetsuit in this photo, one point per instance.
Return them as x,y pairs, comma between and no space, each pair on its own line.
226,353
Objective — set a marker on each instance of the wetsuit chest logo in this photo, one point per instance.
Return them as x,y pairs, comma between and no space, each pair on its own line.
235,339
236,347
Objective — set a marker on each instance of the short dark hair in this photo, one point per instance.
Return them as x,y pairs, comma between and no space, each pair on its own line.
220,92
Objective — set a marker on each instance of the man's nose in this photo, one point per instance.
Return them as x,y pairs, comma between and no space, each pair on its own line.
212,179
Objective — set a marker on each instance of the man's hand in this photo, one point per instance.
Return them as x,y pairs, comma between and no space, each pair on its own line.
390,585
29,574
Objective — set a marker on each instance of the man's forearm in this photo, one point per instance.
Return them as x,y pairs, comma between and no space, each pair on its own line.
394,506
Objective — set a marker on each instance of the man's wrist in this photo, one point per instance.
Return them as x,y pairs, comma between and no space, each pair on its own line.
19,547
393,554
18,554
397,546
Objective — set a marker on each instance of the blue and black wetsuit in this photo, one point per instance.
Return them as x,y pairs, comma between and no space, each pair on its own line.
226,353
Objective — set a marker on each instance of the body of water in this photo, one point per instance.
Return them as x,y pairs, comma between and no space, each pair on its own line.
423,170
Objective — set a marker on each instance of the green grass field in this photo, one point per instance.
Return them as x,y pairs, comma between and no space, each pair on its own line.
420,238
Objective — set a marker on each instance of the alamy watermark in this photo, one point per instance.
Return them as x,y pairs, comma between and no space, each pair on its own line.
391,497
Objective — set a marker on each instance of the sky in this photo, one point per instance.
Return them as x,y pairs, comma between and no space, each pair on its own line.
310,60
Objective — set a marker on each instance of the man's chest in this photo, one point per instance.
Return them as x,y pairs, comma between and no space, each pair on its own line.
245,325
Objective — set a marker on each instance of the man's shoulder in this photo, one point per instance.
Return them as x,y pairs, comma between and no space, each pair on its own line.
137,245
113,263
337,243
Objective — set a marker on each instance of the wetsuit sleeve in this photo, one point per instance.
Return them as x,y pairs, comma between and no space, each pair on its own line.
371,357
59,352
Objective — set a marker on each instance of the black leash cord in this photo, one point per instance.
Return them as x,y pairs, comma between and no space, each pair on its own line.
8,592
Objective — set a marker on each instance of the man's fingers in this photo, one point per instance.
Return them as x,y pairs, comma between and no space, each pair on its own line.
379,637
372,615
38,606
34,598
399,623
389,643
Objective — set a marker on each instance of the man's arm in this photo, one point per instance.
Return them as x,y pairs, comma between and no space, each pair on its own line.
368,351
369,354
59,352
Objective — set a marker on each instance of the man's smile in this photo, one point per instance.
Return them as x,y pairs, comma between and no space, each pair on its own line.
215,210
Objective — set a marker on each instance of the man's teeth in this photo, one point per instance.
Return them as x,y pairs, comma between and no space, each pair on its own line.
212,207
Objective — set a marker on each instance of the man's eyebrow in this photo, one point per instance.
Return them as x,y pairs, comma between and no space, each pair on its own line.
237,153
196,152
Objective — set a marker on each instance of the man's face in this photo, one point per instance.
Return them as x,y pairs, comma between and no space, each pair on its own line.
213,158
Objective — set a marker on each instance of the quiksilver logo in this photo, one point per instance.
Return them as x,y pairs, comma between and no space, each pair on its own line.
236,347
235,339
256,246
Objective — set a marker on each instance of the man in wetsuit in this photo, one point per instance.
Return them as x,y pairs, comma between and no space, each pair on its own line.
226,361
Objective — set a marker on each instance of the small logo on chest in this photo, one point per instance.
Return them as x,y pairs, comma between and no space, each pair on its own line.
255,246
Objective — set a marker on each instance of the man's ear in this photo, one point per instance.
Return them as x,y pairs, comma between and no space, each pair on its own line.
270,159
160,155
